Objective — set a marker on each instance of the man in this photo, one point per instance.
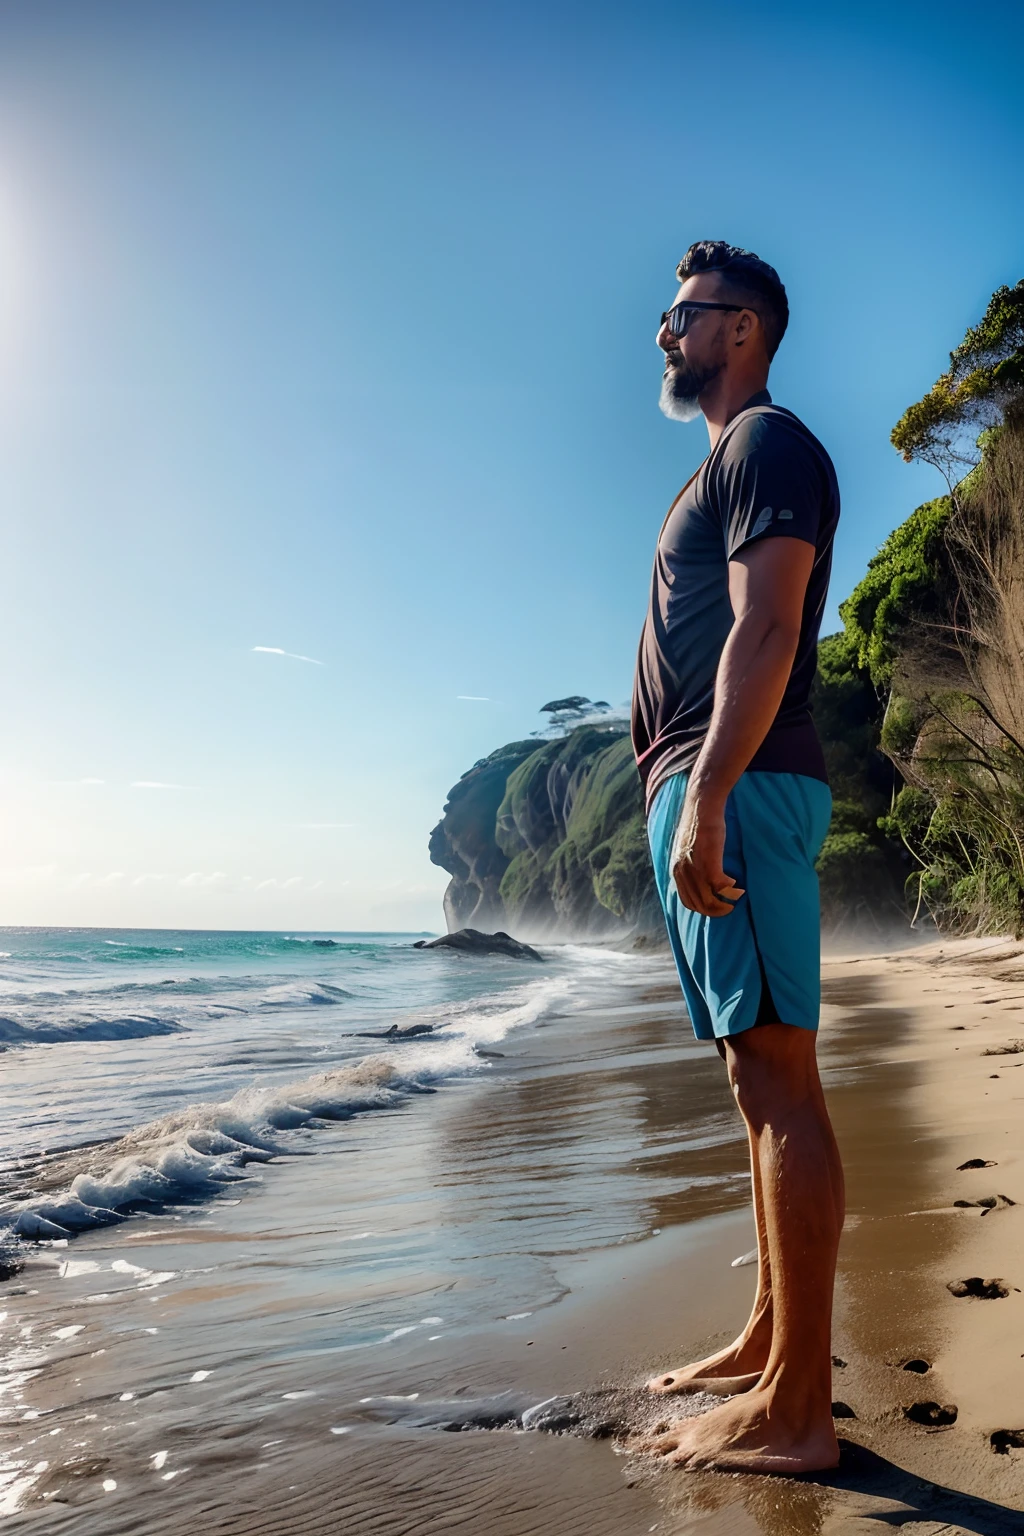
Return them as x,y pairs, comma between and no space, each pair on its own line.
738,805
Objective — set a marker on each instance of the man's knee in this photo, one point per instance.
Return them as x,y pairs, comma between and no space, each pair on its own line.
772,1069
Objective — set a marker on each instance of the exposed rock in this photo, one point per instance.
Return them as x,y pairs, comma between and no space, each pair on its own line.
410,1032
474,942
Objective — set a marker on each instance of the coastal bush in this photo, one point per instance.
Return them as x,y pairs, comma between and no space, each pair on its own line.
939,623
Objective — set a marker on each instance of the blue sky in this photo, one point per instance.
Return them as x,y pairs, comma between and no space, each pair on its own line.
329,328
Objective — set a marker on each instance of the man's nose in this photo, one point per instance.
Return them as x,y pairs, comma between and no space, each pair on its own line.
667,341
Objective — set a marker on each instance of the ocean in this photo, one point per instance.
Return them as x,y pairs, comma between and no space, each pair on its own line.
192,1054
255,1179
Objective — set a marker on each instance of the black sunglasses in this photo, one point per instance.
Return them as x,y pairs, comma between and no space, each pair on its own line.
680,316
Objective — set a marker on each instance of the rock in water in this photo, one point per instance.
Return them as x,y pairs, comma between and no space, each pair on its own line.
476,943
411,1032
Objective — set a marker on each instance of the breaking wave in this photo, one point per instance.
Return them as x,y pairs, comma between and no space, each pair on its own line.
192,1153
132,1027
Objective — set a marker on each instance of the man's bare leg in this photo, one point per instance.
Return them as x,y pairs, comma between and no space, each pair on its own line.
784,1423
738,1367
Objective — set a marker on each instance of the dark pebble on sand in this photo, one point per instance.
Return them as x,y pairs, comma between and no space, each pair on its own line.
842,1411
984,1290
1001,1440
931,1414
918,1366
975,1162
840,1365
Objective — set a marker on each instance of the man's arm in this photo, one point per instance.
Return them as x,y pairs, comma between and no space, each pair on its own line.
767,583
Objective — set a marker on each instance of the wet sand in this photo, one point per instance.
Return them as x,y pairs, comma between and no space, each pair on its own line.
585,1137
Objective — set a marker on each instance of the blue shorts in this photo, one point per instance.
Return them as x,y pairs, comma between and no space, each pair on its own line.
762,962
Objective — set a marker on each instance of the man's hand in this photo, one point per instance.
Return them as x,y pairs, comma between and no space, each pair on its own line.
697,858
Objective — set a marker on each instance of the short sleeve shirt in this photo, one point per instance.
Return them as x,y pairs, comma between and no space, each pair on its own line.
768,477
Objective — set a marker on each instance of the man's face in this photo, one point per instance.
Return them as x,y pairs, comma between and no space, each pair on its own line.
694,360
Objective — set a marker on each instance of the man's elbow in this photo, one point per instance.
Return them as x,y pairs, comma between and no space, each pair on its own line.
776,631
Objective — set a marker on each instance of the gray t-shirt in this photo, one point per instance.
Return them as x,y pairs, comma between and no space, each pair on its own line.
767,477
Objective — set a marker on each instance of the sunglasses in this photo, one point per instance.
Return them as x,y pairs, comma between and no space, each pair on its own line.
681,316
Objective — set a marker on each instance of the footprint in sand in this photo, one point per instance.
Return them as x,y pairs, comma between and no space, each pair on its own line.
984,1290
975,1162
919,1367
1002,1440
931,1414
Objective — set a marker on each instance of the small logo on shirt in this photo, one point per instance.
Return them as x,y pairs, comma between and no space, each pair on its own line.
785,515
764,517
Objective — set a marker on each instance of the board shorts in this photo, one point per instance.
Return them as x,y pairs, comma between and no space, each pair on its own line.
762,962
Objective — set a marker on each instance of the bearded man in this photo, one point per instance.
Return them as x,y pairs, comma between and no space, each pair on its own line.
738,805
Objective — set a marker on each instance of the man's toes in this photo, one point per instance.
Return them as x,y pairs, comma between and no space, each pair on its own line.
659,1443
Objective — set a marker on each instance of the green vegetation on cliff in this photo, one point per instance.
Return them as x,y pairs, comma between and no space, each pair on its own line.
937,626
550,837
572,825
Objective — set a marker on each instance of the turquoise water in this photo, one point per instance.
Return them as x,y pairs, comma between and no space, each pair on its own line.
210,1050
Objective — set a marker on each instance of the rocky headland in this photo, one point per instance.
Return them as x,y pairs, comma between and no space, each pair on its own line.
547,838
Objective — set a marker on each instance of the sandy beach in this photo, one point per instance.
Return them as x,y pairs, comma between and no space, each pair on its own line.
206,1390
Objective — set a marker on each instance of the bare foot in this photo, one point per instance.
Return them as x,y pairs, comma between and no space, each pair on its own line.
690,1379
750,1434
732,1370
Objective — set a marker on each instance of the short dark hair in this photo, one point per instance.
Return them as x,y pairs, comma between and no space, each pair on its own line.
749,277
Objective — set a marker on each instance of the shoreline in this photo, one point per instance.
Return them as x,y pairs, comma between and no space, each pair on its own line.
912,1095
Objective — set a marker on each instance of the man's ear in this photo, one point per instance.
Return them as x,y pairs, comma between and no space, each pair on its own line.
748,323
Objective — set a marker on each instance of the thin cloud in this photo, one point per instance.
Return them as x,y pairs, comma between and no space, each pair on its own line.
64,783
156,784
473,698
145,879
275,650
198,878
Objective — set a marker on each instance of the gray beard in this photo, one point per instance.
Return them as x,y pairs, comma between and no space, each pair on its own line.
681,387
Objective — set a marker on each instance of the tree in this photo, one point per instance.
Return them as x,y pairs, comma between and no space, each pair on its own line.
565,714
984,380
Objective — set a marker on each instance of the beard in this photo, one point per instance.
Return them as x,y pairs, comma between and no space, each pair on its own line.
681,387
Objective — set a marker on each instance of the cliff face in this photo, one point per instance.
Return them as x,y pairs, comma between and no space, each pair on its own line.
548,839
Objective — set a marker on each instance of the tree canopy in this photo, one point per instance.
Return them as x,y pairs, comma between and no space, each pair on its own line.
985,376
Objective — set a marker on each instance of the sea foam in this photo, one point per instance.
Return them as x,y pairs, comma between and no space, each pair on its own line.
194,1152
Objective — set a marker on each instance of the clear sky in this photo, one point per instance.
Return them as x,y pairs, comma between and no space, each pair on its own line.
329,329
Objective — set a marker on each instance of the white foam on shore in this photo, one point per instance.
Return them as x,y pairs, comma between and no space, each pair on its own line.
193,1153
